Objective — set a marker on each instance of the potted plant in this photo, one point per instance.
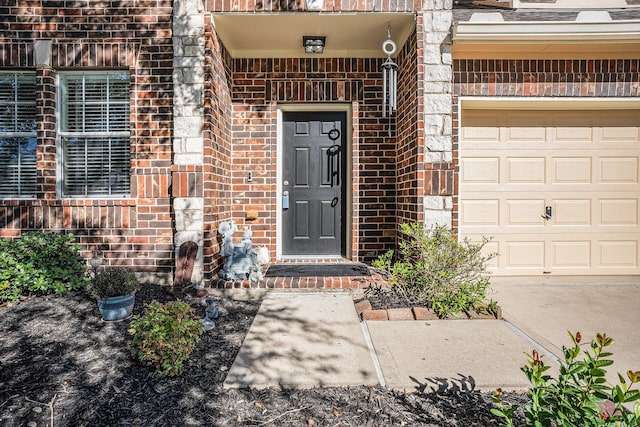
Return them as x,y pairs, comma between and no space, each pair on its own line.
115,290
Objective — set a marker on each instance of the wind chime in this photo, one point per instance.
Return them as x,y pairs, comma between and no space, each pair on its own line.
389,77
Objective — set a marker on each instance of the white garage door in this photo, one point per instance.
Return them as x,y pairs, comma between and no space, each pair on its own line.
558,191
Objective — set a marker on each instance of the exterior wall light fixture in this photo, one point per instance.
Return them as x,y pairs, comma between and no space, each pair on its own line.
313,44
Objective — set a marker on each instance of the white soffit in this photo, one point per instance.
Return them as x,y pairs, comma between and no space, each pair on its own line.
528,103
506,32
279,35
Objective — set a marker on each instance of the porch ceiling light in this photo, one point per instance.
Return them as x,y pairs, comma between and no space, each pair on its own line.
313,44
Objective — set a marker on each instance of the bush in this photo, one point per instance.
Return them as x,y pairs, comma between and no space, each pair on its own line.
112,282
165,336
39,263
577,396
435,270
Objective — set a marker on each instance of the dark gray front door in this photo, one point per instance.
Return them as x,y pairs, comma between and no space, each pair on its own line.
313,183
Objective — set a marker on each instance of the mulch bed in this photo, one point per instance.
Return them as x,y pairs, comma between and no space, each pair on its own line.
60,364
386,297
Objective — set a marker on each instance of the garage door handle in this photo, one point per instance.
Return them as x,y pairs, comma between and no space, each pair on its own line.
547,213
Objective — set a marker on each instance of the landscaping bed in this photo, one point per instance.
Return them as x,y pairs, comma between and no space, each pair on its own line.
61,365
387,303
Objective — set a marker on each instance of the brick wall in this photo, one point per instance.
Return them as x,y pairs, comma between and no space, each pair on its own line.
125,35
217,147
410,157
593,77
258,84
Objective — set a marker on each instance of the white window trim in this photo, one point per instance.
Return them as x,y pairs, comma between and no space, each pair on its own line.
60,135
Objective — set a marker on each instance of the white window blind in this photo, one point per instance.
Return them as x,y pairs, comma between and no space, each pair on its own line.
17,135
94,133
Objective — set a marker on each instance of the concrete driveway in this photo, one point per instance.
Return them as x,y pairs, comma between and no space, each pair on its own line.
545,309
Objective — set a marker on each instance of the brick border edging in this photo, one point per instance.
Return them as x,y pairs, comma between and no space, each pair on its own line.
366,312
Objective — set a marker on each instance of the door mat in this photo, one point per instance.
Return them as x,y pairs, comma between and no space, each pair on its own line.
317,270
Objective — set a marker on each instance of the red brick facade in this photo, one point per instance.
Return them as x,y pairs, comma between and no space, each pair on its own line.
259,86
241,98
404,168
217,150
87,35
409,165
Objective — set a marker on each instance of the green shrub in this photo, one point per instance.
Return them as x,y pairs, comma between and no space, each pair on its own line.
575,398
435,270
112,282
40,263
165,336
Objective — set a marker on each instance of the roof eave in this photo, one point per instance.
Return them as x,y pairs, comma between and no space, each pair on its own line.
547,32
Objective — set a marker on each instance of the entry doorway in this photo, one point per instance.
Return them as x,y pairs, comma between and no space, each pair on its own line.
314,182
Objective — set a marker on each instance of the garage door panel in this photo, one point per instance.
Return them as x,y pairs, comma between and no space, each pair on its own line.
619,126
525,254
585,164
481,170
575,212
581,135
618,253
482,128
571,170
571,254
525,212
479,134
622,134
621,212
525,169
619,170
529,135
480,212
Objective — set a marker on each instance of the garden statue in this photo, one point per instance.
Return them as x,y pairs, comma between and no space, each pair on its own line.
210,314
238,258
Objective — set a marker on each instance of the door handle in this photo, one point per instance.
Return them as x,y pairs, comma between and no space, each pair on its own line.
333,170
548,213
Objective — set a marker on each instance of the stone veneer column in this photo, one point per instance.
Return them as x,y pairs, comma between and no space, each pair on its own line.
188,124
437,19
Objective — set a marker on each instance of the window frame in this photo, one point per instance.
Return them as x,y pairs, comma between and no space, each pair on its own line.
27,135
62,115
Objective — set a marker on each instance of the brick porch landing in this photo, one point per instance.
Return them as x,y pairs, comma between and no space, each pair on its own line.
315,282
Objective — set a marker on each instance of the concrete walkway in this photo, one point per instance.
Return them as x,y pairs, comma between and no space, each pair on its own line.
303,340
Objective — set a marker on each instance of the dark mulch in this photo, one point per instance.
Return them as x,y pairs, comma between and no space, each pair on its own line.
384,297
60,364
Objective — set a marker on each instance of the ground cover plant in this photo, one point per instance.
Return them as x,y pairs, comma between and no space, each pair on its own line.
580,395
165,335
433,269
39,263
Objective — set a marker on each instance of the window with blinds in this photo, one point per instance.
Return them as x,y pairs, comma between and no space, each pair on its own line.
94,134
17,135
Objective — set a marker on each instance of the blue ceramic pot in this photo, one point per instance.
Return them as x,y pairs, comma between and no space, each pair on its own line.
113,309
